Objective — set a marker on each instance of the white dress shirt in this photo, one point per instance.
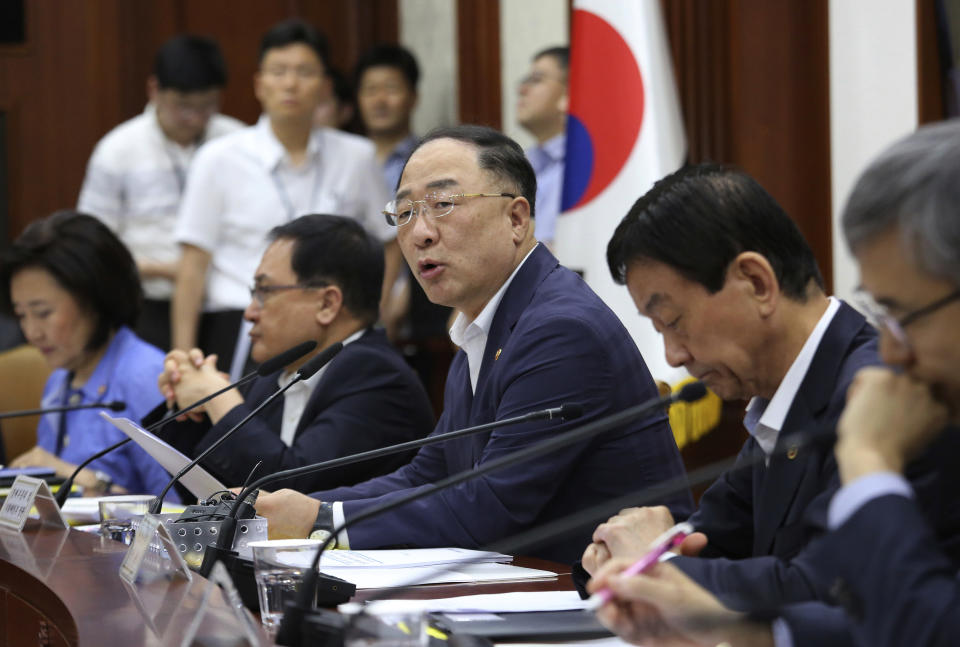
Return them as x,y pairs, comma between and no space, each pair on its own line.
774,412
243,185
135,179
471,336
296,397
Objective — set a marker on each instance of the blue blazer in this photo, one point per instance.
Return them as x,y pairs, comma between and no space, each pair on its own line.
368,397
759,519
552,341
896,584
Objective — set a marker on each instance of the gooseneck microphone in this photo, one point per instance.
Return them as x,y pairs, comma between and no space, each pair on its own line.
270,366
563,412
116,405
221,548
290,625
306,371
650,495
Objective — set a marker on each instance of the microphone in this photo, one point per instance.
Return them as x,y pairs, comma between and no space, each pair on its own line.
550,531
270,366
306,371
335,589
290,625
116,405
563,412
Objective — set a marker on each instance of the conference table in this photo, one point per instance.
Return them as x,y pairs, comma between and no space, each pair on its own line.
62,588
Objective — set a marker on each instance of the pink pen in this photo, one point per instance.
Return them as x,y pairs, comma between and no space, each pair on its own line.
672,537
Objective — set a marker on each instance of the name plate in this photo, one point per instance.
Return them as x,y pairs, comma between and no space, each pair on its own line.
221,578
25,493
145,560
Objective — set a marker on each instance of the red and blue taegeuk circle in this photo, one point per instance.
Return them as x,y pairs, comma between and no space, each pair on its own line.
606,108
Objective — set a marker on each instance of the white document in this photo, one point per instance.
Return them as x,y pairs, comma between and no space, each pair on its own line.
406,557
198,480
380,578
516,602
597,642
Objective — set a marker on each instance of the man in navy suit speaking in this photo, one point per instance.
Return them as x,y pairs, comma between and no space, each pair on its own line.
532,335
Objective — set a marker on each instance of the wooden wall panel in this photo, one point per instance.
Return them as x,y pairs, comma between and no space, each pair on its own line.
931,105
478,33
753,78
85,65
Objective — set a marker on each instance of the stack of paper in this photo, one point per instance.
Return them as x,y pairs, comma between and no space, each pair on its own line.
514,602
374,569
407,557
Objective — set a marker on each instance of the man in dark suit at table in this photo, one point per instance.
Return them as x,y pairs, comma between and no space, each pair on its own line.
320,279
532,335
893,572
731,285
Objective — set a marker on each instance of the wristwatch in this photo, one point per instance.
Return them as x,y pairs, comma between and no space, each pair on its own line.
323,526
103,482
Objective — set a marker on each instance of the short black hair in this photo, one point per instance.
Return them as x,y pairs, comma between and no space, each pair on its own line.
698,219
497,154
561,54
385,55
87,260
190,64
291,32
337,250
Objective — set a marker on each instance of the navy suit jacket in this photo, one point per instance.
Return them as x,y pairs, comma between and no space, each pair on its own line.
758,519
898,586
368,397
552,341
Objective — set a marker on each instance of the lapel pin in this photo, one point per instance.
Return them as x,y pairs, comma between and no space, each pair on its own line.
792,452
497,355
102,389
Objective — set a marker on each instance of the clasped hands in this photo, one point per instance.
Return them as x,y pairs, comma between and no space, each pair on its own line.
189,376
628,535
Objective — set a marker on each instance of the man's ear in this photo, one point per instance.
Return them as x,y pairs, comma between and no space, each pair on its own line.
520,220
329,303
757,279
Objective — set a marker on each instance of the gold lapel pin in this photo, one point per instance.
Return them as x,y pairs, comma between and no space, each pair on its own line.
497,355
792,452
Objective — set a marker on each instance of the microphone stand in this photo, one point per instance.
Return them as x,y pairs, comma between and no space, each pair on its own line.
115,405
290,626
332,590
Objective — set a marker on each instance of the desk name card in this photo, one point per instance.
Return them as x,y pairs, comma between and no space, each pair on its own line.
25,493
143,562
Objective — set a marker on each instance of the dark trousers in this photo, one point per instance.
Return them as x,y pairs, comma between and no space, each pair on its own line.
153,326
218,334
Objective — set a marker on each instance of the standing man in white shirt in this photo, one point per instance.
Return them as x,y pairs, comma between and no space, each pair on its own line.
136,175
542,111
261,177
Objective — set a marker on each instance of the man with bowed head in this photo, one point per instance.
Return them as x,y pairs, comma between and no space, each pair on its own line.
733,288
890,568
532,335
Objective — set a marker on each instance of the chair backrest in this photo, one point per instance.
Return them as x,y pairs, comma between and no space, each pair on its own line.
23,372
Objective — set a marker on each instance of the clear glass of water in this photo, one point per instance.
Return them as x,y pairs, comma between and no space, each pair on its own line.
279,566
119,515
